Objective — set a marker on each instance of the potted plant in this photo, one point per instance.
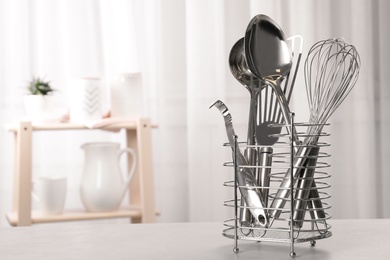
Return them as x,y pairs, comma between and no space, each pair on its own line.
38,101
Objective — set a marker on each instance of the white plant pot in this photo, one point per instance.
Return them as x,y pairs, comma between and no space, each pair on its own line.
38,107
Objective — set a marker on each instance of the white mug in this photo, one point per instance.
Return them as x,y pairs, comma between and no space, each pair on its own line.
85,99
50,192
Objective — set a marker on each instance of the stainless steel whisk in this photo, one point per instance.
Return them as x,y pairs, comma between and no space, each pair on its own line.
331,70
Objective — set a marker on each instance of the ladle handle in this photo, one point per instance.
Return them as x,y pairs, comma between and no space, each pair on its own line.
250,154
133,166
263,175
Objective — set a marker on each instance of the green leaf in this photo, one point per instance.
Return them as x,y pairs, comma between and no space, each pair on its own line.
38,86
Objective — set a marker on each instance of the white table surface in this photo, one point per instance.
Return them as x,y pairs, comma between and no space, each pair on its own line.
352,240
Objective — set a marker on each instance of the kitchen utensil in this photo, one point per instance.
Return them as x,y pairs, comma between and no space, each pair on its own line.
102,185
269,58
245,177
240,70
263,175
239,67
269,115
331,71
270,118
303,189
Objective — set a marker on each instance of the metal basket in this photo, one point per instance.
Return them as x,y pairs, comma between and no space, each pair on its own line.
308,213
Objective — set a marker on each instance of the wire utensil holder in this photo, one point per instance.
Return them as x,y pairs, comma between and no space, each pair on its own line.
302,218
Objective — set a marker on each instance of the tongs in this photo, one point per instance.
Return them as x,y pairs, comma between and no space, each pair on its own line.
246,179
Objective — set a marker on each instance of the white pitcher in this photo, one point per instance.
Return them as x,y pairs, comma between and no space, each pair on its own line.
102,185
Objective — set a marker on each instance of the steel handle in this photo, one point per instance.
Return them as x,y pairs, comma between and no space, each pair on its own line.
304,186
263,175
245,177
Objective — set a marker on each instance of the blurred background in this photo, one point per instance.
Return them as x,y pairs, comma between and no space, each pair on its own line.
182,49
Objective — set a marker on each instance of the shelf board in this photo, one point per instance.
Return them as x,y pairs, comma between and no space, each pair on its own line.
76,215
113,125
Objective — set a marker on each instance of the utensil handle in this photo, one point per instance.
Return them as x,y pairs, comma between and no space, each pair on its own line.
246,218
263,176
315,204
245,178
283,192
247,186
244,214
304,186
250,154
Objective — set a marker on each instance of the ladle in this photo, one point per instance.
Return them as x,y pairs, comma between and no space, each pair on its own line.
239,68
269,57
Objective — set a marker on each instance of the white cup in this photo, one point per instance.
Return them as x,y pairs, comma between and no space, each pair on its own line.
50,192
85,99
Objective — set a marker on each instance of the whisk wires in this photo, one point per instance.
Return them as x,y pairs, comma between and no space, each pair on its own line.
331,70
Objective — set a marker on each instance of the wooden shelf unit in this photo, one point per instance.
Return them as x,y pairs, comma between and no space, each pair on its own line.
142,201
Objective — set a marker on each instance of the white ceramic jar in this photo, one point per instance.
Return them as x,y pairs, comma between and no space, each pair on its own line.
85,99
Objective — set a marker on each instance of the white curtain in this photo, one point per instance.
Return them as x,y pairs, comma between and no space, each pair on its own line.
182,49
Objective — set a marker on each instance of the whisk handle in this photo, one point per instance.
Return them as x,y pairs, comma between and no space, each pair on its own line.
304,187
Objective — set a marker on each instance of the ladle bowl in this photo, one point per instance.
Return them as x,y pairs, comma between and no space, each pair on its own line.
266,49
239,68
269,57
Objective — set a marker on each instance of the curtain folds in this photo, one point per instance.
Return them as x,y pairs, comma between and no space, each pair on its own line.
182,50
